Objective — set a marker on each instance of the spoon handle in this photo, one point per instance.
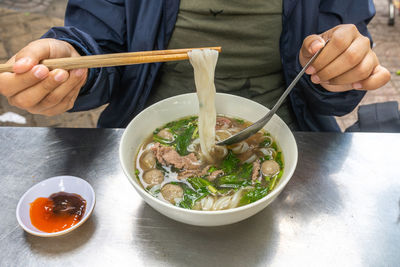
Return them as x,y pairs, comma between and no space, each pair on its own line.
255,127
292,84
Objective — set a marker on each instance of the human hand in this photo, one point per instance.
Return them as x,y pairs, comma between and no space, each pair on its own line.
33,87
347,62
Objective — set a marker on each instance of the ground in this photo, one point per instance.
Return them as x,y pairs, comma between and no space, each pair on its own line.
22,21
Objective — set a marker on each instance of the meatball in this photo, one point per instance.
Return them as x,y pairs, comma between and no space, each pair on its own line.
270,168
166,134
153,177
147,160
171,191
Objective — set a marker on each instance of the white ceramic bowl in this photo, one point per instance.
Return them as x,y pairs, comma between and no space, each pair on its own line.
47,187
185,105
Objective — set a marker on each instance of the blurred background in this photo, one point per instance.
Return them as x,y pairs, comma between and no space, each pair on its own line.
22,21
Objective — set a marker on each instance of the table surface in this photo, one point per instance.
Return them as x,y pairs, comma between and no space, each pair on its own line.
341,207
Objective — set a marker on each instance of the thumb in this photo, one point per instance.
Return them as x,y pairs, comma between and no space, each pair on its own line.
311,45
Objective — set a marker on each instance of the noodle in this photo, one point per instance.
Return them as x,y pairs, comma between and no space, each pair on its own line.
204,62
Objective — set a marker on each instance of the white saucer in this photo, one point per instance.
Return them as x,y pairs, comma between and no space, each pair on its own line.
47,187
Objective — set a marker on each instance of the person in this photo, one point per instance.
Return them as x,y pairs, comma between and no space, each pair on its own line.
265,44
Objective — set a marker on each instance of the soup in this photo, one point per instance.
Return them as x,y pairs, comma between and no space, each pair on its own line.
171,166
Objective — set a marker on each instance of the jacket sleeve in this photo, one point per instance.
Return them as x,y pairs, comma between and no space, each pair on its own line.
94,27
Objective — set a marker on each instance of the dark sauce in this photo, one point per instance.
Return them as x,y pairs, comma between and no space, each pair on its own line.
58,212
67,204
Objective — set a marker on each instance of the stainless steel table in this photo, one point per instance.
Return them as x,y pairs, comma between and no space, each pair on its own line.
341,208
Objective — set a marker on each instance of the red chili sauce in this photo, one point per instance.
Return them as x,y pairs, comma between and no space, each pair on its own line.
58,212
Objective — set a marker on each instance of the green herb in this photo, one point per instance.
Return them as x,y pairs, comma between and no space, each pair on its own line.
196,133
190,197
212,169
266,157
272,183
200,183
280,174
274,146
137,174
201,188
240,178
240,121
161,140
160,167
183,140
278,159
274,180
245,171
228,179
179,125
230,163
157,191
253,195
224,191
232,181
265,143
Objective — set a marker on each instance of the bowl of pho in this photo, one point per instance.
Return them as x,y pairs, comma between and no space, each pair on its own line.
169,154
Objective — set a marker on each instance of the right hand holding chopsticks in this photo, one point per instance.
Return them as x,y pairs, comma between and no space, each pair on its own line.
33,87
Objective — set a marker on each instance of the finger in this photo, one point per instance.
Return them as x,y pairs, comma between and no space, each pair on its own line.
310,46
30,97
55,97
13,83
66,104
38,50
380,76
360,72
351,57
31,55
337,88
340,39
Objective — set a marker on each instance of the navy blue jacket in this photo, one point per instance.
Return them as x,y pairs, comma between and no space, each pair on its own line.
111,26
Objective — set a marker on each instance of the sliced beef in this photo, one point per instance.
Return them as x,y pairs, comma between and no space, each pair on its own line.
193,173
168,156
256,170
223,123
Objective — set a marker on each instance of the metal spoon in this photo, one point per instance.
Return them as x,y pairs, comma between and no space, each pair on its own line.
255,127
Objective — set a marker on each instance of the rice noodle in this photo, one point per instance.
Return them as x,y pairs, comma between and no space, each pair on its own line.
221,203
204,62
207,203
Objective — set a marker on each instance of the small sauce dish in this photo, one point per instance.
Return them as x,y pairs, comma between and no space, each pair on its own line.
46,188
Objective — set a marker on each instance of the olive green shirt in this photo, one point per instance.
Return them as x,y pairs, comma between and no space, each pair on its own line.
249,64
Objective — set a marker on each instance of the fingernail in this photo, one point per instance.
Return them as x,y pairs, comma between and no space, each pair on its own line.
24,61
61,76
357,85
40,72
78,72
315,79
310,70
316,45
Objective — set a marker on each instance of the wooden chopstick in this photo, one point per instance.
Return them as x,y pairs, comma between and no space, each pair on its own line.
117,59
